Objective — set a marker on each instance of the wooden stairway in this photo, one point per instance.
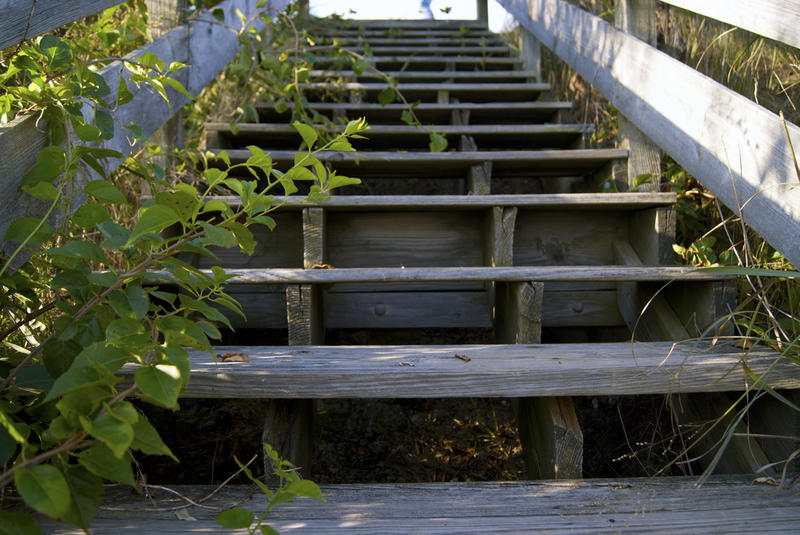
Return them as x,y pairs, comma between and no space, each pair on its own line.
509,236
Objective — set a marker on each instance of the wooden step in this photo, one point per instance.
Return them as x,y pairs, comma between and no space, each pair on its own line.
421,39
732,504
400,33
416,50
382,137
432,76
411,24
617,202
462,274
429,63
508,370
465,92
433,113
526,164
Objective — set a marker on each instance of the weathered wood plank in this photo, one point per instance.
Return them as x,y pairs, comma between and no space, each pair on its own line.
642,505
24,19
421,51
408,309
458,274
517,370
383,24
445,129
482,113
776,19
638,18
417,62
735,147
498,89
421,39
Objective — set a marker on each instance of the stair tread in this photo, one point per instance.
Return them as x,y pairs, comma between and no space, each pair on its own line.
411,60
378,51
514,370
435,75
381,129
724,504
402,87
449,106
422,39
461,274
565,201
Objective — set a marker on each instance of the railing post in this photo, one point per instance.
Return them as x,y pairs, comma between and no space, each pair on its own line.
531,51
483,11
638,18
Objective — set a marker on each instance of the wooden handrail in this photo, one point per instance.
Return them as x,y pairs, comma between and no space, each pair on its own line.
777,19
23,19
736,148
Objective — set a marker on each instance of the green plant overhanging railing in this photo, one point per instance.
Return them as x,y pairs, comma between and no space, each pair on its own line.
739,151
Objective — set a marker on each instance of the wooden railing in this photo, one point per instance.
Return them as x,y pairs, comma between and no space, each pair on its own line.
739,150
203,43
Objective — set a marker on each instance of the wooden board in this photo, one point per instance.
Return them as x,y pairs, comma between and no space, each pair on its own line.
25,19
433,113
459,274
567,238
517,370
469,63
736,148
425,76
408,310
634,506
488,50
411,239
455,164
777,19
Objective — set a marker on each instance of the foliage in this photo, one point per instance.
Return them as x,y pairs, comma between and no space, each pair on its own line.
98,295
290,486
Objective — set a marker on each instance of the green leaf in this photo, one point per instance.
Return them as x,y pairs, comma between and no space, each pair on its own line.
183,203
123,94
100,461
305,487
147,440
44,489
236,518
112,432
82,250
42,190
138,299
87,132
386,96
86,491
8,446
90,215
438,142
259,159
218,236
308,133
104,191
360,66
153,219
50,163
33,227
83,373
105,122
160,384
338,181
281,106
18,524
267,530
57,52
243,237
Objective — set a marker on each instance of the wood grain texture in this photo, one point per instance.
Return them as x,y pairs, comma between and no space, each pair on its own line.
656,506
459,274
25,19
776,19
518,370
551,437
736,148
606,202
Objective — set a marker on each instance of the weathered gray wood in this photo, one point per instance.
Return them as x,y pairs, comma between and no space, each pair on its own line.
499,239
447,86
776,19
483,12
652,233
449,24
607,202
445,129
421,39
736,148
531,52
465,62
656,506
517,370
479,179
407,309
24,19
202,38
457,274
580,308
518,310
433,113
638,18
456,164
489,50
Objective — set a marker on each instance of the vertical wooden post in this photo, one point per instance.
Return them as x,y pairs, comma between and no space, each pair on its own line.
551,437
289,423
531,50
483,12
638,18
